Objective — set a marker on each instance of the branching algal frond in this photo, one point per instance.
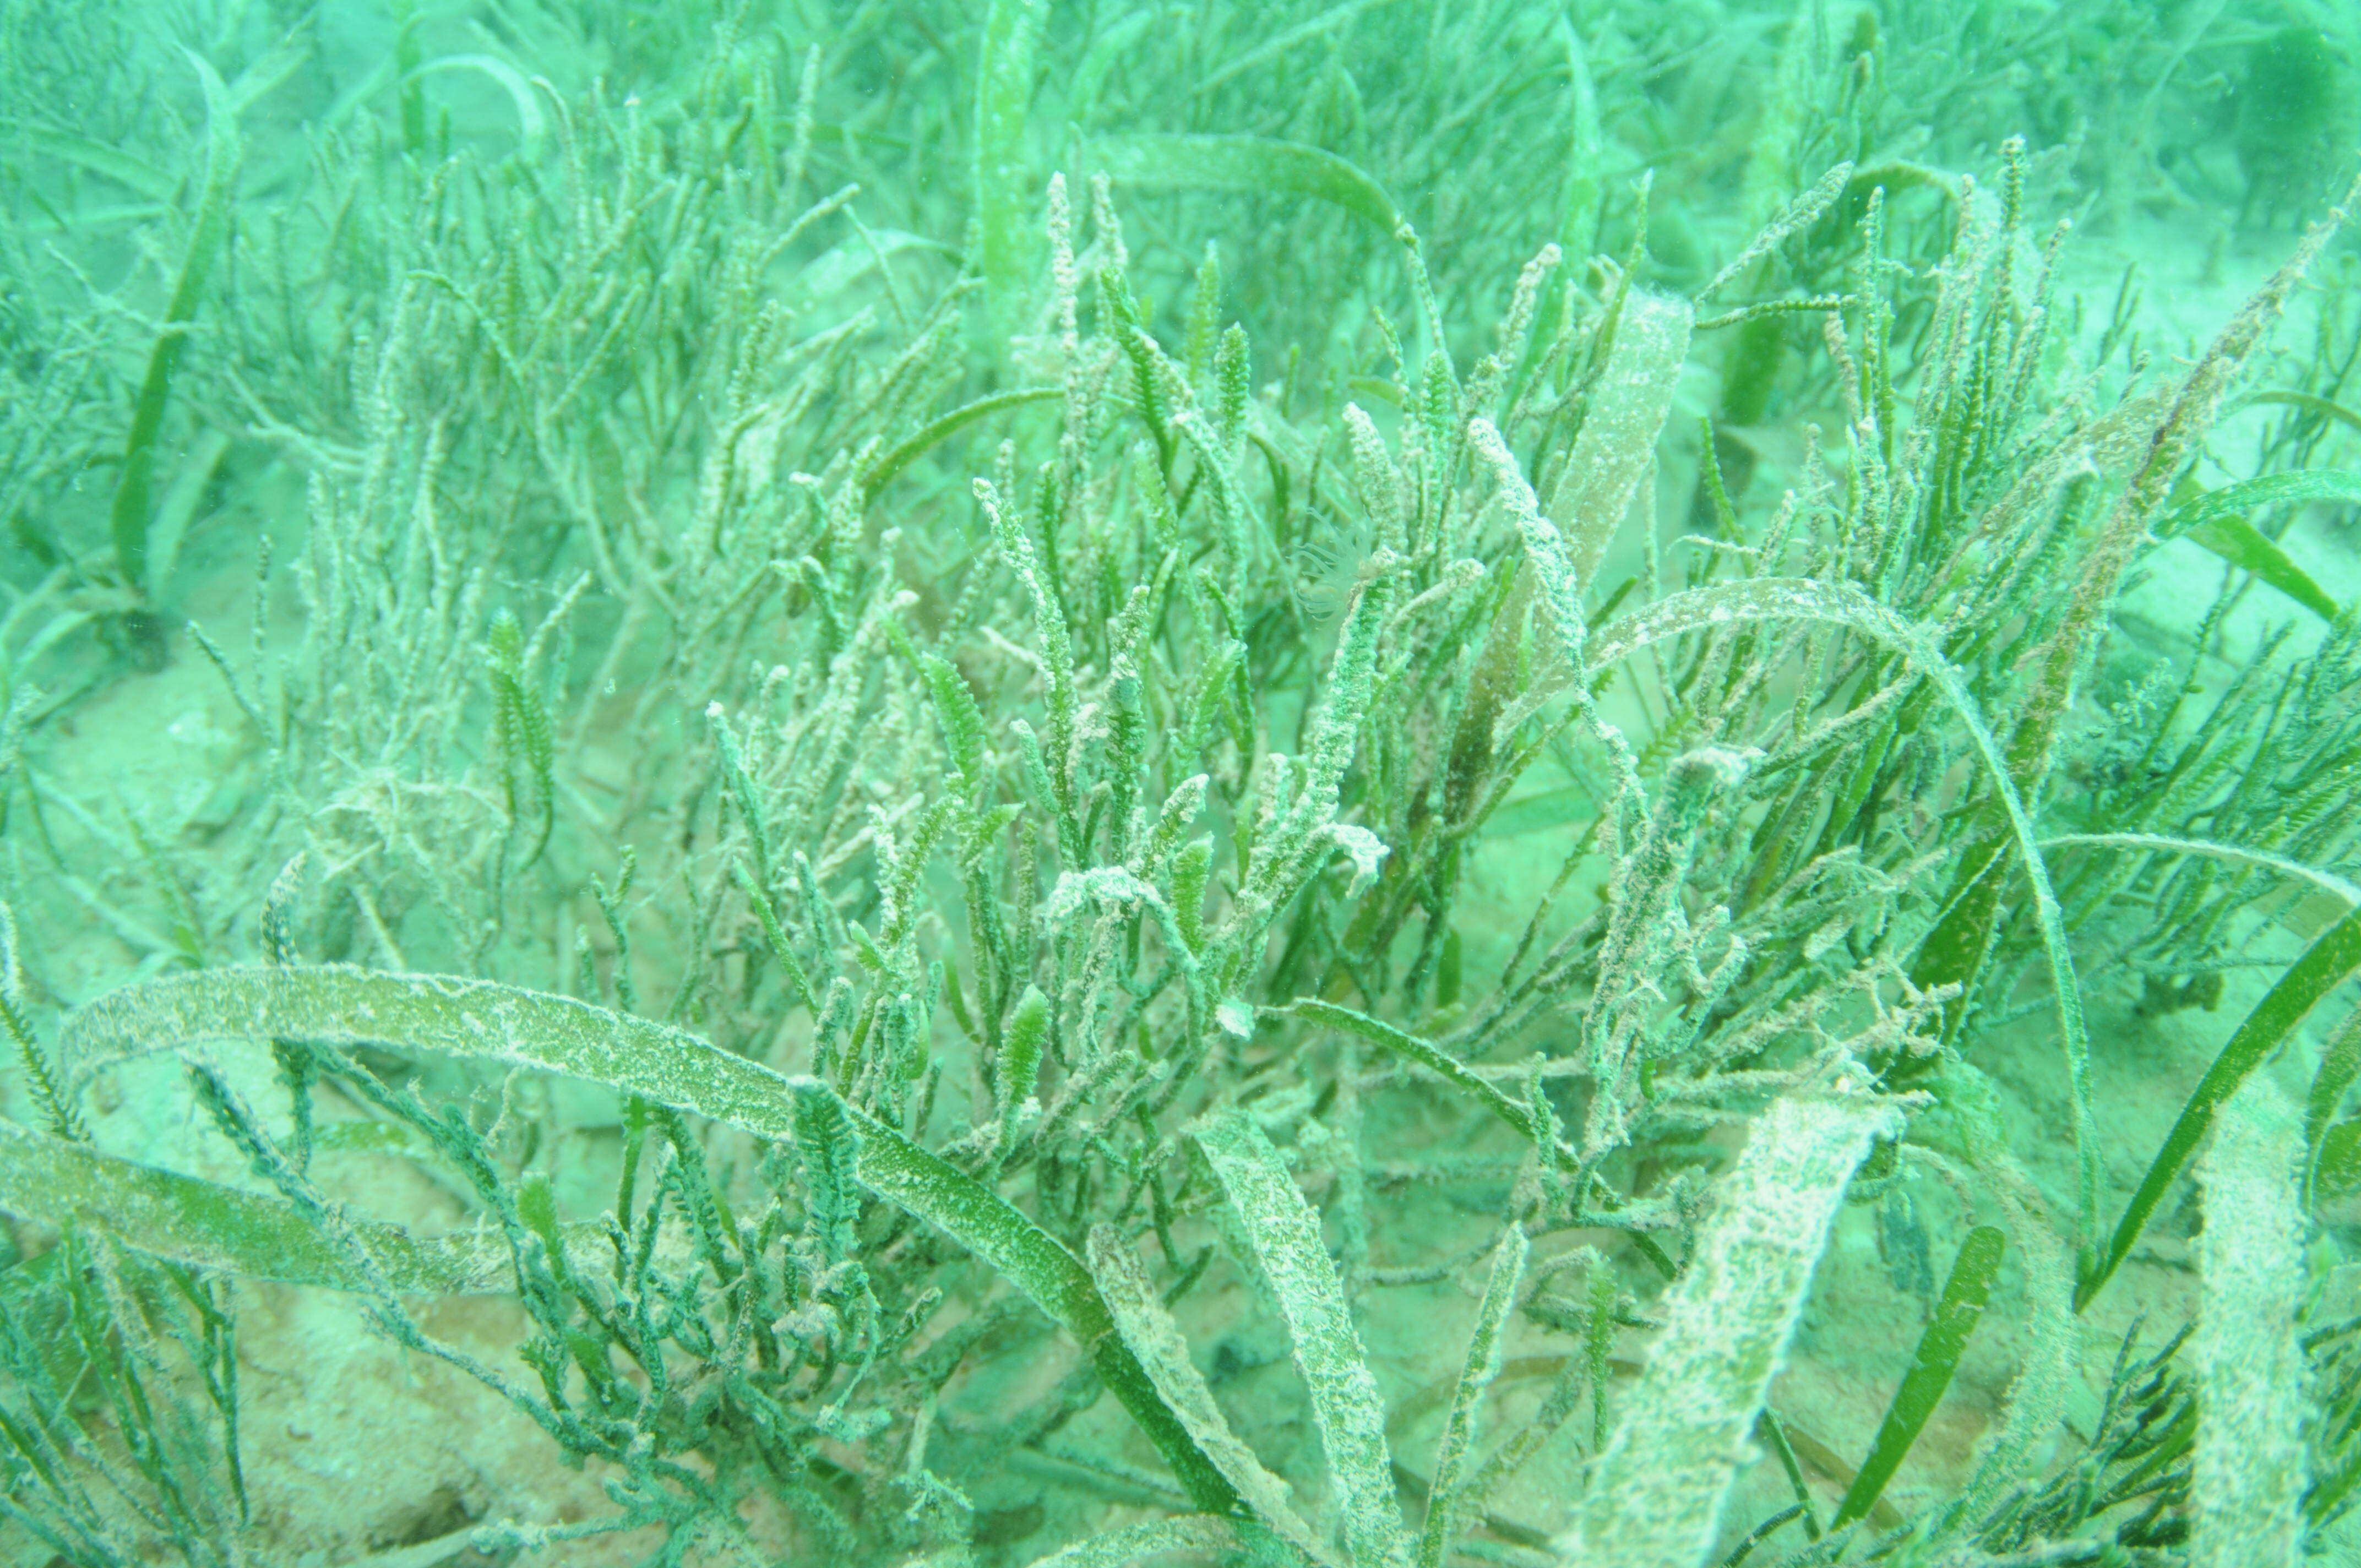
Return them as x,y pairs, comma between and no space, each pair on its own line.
64,1120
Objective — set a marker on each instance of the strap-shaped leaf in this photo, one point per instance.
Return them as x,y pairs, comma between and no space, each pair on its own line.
1175,160
2271,490
987,1224
130,518
1003,174
1432,1058
1940,1348
2323,967
1656,1496
1136,1543
2252,551
1285,1234
2308,403
2249,1473
1803,598
668,1067
1146,1326
2326,881
942,428
207,1225
1617,446
2340,1064
1447,1501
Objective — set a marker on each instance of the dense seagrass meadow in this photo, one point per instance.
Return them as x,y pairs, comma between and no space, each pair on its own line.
1050,784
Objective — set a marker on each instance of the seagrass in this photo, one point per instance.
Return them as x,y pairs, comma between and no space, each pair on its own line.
1330,782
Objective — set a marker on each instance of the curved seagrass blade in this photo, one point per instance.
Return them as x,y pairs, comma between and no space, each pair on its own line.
1146,1325
2328,963
1285,1234
2248,1474
529,1028
207,1225
1177,160
1656,1493
1937,1358
1131,1543
1447,1501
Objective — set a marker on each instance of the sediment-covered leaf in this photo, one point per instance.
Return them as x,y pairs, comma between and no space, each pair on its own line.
1655,1500
1446,1502
1617,444
1285,1235
2249,1477
203,1223
1147,1327
1219,162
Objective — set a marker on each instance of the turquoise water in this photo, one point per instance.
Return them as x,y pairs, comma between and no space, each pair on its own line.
1016,782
